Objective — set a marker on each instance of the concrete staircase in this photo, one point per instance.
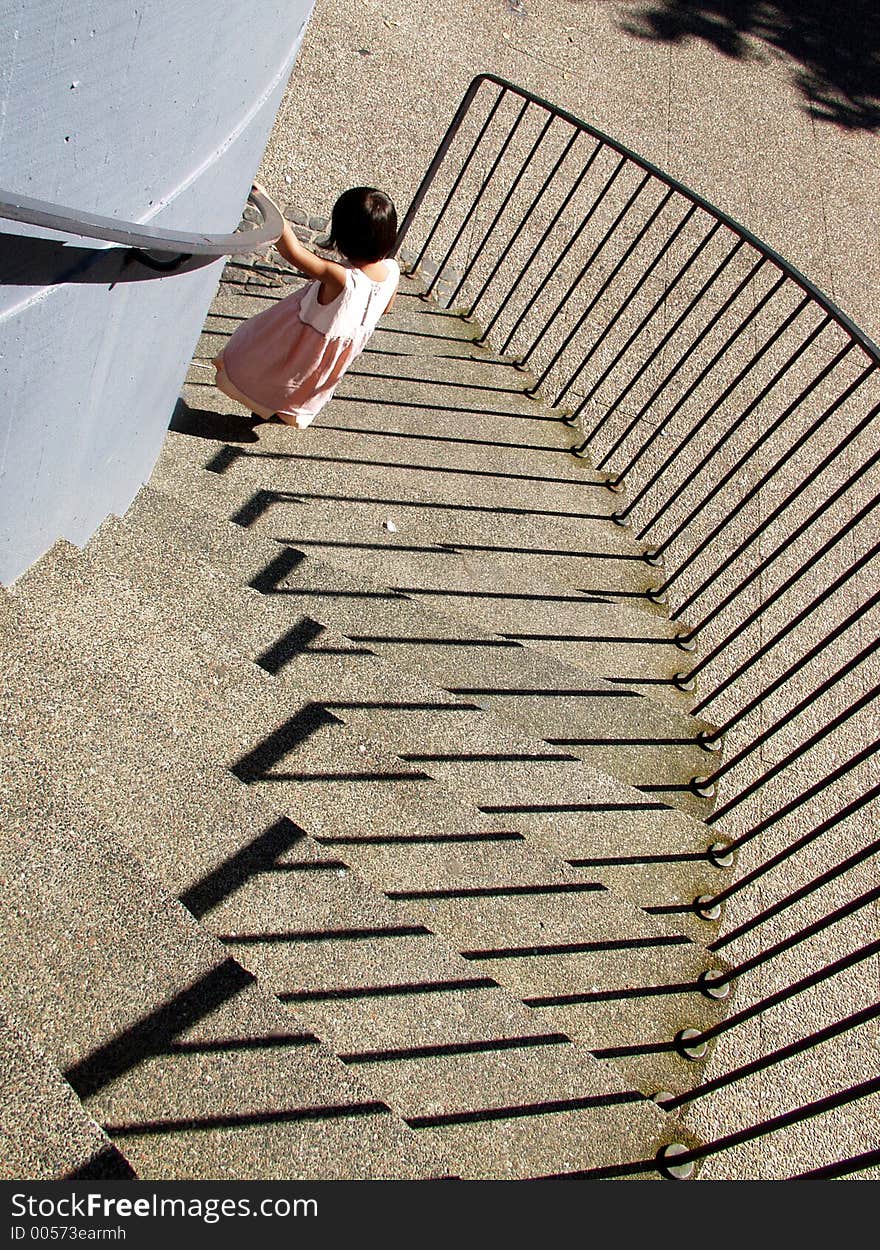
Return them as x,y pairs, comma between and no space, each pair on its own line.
349,829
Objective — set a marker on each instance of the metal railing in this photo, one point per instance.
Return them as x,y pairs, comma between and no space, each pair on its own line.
176,246
733,408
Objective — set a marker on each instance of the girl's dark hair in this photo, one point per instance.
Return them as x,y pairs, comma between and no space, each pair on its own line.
363,226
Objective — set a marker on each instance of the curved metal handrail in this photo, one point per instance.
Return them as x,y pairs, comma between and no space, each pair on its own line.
14,207
739,408
694,197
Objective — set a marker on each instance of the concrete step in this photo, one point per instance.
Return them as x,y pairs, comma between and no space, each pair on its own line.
607,636
637,846
298,464
356,427
402,627
465,876
480,404
464,500
394,401
432,405
455,1054
45,1132
172,1046
482,384
391,987
489,557
557,1086
605,639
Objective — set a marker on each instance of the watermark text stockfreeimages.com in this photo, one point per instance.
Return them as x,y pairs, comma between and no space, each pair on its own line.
153,1206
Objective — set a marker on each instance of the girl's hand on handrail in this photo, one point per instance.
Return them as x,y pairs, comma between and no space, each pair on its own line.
257,189
330,274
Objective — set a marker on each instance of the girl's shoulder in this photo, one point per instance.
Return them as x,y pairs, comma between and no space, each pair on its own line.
392,273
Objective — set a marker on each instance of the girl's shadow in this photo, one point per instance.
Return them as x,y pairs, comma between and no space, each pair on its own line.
224,427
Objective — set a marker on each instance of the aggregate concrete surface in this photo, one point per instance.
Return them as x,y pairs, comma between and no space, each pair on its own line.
370,96
735,125
736,128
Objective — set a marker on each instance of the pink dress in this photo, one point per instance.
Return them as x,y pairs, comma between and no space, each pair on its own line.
290,358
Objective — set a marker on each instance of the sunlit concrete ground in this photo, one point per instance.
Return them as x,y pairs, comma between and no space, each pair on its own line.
723,109
759,120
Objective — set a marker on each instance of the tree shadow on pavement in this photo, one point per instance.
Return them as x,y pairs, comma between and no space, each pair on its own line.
834,45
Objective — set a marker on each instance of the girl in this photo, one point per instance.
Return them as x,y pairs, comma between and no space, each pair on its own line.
288,360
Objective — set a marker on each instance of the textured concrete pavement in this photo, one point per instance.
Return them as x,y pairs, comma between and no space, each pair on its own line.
378,80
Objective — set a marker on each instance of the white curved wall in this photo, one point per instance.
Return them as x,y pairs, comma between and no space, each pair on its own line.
150,110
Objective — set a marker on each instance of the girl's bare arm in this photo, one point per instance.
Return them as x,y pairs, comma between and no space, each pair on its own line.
328,273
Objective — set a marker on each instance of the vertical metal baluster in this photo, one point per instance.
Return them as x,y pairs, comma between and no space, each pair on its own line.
636,334
738,464
777,594
801,800
494,222
609,233
457,182
813,886
559,260
607,283
440,156
780,508
804,934
825,973
466,220
729,430
824,686
640,282
806,839
683,399
518,231
536,250
667,337
797,753
791,625
793,669
783,1053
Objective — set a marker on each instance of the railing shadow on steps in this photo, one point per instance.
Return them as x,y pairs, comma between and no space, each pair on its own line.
734,409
